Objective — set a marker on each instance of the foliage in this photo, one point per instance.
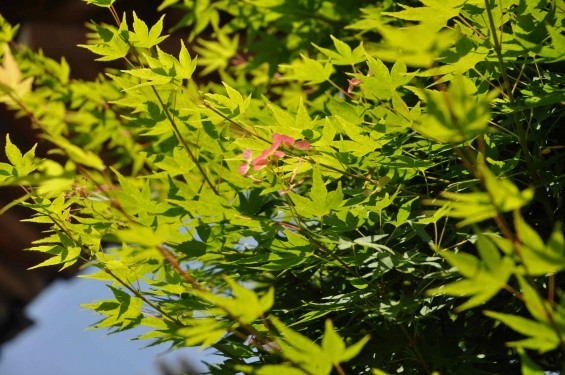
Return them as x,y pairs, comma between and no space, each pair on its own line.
358,170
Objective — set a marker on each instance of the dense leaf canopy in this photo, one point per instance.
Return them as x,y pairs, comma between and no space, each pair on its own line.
312,186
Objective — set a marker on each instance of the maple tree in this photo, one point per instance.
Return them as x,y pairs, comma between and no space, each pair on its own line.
327,203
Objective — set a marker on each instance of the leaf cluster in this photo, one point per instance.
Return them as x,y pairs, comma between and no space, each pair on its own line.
323,206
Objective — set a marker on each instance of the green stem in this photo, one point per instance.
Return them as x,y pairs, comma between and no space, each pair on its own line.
184,144
508,89
340,89
235,124
498,50
140,295
415,348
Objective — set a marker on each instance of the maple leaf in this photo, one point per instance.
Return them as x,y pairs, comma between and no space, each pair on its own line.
11,84
143,36
434,12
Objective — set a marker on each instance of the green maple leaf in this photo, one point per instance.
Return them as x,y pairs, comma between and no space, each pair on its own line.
113,43
321,202
344,54
143,37
435,12
308,70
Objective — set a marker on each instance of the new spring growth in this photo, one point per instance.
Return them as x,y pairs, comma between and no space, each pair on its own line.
272,153
353,82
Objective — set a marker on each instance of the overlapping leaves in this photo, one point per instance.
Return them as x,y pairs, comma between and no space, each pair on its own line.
336,230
